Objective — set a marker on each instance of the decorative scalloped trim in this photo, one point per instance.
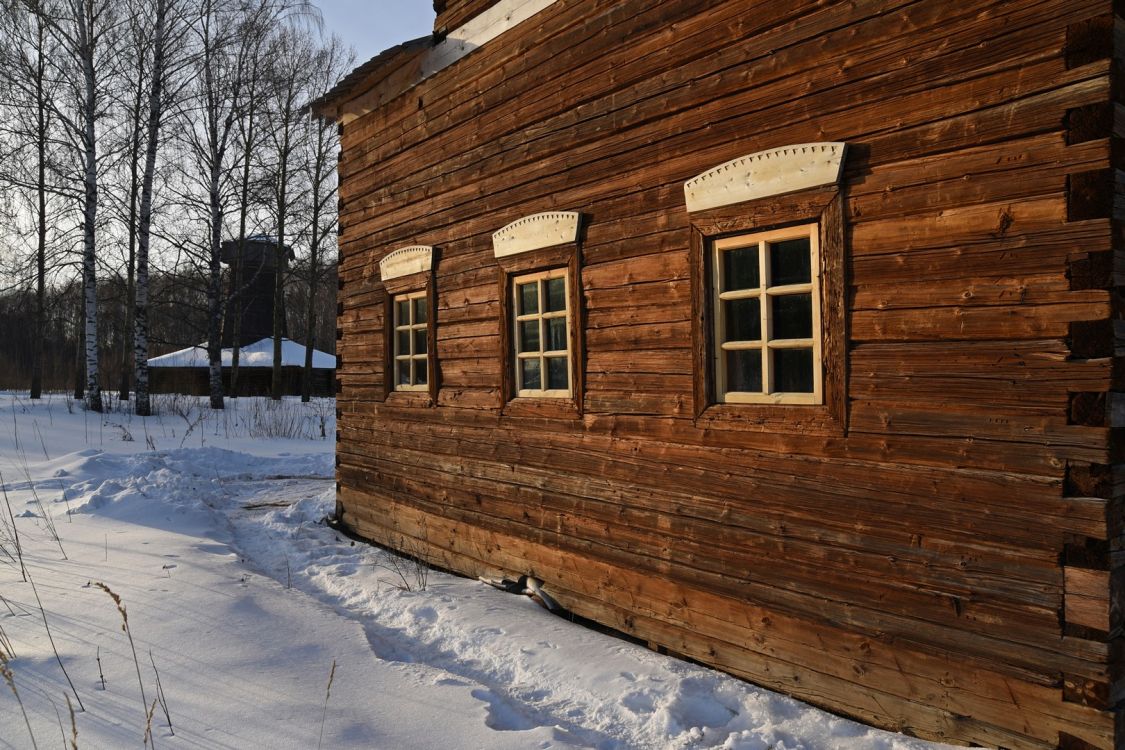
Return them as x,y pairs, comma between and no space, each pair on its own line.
766,173
535,232
405,261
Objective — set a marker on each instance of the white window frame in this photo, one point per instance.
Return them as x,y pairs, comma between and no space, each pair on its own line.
767,344
540,279
410,326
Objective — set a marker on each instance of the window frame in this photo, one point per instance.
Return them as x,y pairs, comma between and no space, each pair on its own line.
765,291
540,278
567,256
411,326
825,207
421,283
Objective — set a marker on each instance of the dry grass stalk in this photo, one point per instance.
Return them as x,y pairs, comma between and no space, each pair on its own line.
148,738
73,724
58,718
10,678
327,695
160,695
6,644
44,511
15,531
42,442
98,659
48,519
408,565
66,500
51,638
128,633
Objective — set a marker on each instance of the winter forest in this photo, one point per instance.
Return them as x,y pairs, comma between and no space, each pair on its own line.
136,137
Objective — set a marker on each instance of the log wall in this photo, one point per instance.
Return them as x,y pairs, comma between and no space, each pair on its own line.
939,559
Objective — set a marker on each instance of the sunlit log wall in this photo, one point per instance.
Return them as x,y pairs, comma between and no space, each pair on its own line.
935,549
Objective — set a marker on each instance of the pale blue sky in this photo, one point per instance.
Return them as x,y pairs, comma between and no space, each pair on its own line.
372,26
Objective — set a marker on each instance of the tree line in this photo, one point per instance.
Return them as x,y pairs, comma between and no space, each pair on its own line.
136,136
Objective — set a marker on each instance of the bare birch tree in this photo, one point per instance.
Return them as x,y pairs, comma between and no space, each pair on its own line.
165,10
136,52
86,32
28,93
294,57
320,147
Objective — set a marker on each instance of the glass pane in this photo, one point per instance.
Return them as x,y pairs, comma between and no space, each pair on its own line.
790,262
529,298
420,310
793,370
402,367
744,371
420,372
792,316
556,334
740,269
530,370
556,374
419,341
743,318
556,295
402,312
529,335
403,342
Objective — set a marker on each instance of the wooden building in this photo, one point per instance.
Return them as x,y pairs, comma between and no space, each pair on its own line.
778,333
186,371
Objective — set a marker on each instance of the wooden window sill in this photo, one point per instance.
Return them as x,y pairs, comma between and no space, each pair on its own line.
547,408
418,399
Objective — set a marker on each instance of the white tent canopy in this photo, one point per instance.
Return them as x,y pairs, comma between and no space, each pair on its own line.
258,354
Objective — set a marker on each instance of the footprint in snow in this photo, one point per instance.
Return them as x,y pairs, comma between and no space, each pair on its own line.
425,614
638,703
503,715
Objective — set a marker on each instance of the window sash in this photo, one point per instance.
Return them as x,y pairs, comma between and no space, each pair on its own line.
409,358
542,354
764,292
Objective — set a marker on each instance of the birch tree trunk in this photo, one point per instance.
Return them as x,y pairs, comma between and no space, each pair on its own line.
128,352
215,295
279,299
41,228
143,404
90,208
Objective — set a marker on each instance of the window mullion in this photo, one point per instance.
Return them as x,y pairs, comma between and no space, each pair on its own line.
766,321
717,333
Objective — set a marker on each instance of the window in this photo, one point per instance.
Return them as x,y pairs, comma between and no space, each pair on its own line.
541,333
411,342
767,317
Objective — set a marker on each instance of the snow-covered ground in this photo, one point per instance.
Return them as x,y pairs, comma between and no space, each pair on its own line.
209,527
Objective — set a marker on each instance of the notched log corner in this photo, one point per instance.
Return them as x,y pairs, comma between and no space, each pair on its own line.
1089,41
1089,195
1089,123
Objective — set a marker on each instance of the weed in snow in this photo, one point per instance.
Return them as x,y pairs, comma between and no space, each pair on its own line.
125,627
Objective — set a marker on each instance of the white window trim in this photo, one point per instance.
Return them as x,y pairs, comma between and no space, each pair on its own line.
410,356
541,316
766,345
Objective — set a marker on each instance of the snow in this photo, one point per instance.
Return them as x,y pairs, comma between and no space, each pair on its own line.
210,528
258,354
